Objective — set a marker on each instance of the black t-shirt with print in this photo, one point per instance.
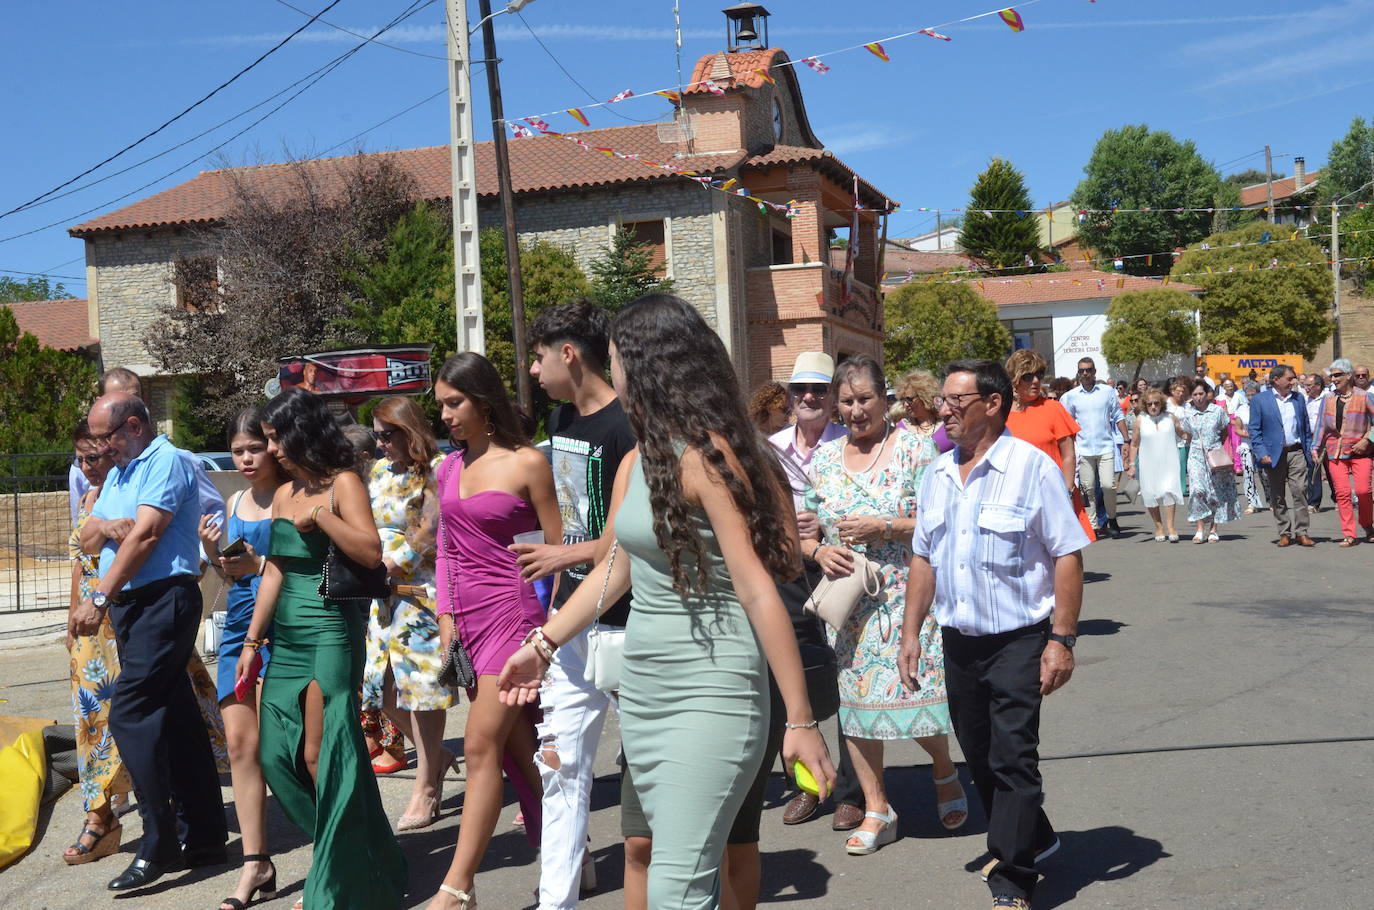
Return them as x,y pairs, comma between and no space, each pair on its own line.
585,452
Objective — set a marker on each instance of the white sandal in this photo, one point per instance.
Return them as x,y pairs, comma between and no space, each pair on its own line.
467,900
869,841
958,804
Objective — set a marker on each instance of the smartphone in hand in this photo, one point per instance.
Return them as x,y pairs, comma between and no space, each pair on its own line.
236,547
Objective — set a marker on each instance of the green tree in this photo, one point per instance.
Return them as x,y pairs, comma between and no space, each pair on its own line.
1357,243
624,271
1227,217
43,392
1133,168
1349,164
39,287
1248,177
193,428
928,325
1260,297
1006,240
1148,325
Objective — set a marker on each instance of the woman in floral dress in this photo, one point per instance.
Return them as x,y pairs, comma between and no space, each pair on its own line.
865,496
94,668
1211,491
403,653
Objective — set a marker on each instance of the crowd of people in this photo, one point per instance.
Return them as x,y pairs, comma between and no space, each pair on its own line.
724,572
1275,442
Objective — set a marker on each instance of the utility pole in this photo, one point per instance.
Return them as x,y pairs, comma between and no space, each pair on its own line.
1336,281
467,276
939,232
1269,181
498,135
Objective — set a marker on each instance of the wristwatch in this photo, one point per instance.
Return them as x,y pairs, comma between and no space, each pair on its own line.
887,529
1067,641
100,600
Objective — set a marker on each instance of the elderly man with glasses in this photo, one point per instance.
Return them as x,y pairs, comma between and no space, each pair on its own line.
1097,411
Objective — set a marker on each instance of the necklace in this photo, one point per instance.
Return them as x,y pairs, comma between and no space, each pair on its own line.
887,428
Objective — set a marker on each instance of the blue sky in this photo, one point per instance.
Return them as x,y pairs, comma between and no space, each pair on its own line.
83,80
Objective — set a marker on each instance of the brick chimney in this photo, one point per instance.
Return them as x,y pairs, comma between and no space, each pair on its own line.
1299,173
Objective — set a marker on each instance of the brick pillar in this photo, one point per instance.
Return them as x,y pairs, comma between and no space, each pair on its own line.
808,231
866,267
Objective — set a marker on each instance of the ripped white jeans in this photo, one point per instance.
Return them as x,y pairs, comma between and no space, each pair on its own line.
574,714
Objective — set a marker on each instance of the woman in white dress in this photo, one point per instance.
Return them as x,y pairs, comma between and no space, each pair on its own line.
1154,457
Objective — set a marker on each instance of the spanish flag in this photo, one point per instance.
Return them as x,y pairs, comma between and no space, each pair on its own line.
763,74
1013,19
580,117
674,97
877,50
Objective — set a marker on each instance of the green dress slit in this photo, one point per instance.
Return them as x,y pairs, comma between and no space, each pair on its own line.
357,861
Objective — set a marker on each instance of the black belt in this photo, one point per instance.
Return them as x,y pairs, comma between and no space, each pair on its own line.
1295,447
151,590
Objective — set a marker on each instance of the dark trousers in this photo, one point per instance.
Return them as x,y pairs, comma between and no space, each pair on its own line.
993,684
157,724
847,789
1315,474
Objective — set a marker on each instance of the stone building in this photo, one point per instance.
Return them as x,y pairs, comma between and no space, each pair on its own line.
764,281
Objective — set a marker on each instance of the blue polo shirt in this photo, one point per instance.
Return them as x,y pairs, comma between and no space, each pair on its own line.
160,477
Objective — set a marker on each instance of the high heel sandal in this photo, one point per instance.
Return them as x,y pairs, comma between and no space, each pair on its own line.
467,900
869,841
959,804
414,822
266,891
105,844
448,760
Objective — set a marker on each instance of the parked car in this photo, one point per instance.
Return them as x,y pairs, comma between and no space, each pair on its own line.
216,461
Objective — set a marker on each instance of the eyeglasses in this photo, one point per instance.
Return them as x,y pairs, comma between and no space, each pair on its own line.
104,438
1038,374
1337,373
956,400
1087,369
385,435
91,460
815,388
1361,375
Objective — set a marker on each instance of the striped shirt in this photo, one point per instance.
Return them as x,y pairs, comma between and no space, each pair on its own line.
992,541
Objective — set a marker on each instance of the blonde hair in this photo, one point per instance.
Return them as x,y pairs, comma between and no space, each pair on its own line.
1024,362
918,384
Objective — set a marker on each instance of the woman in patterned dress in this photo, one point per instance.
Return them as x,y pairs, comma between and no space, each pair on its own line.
865,490
94,668
403,655
1211,491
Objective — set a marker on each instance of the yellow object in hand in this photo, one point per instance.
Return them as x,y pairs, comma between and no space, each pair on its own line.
804,778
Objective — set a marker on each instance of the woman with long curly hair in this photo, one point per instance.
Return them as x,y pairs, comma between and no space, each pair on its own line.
493,486
312,749
706,527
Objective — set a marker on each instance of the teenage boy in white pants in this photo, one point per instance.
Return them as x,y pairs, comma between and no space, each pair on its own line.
588,437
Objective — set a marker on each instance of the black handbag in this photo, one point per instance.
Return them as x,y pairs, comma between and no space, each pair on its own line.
345,579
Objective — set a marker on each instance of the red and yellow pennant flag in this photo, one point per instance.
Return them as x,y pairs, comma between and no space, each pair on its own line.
1013,19
729,183
763,74
876,50
576,113
608,152
674,97
1121,282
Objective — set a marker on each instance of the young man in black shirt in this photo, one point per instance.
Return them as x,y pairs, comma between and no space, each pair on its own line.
588,437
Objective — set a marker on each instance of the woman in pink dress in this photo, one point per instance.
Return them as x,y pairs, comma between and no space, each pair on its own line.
494,486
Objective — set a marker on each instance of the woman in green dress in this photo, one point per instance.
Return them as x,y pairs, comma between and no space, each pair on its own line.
704,529
312,748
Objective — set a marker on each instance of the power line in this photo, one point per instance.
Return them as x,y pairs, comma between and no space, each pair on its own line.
571,78
146,136
322,72
206,132
442,91
43,275
346,31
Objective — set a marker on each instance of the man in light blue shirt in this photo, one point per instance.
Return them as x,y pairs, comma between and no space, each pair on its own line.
1097,410
144,526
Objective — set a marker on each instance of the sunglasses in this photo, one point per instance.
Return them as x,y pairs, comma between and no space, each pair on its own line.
1337,373
1038,374
802,388
385,435
1087,369
91,459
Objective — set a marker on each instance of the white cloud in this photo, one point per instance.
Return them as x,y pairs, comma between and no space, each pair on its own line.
853,138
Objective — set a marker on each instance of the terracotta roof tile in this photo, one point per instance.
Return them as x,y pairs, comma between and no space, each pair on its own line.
1056,286
800,154
896,262
538,164
741,66
1259,194
60,324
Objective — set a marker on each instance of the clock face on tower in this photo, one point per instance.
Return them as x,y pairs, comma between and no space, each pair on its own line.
777,119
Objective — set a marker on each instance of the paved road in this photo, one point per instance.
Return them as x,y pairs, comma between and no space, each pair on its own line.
1185,764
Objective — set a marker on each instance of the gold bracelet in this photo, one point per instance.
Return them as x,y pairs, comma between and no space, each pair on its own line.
315,514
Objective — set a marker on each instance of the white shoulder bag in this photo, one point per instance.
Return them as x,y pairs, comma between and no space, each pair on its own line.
605,645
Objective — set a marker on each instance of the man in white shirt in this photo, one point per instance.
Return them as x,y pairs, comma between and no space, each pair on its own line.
1097,410
997,556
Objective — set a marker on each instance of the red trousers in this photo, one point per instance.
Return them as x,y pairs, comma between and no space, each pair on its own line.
1345,474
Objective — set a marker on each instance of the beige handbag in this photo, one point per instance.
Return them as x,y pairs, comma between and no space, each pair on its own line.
1219,458
835,598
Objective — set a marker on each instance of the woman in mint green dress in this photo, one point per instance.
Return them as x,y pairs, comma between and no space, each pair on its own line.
703,526
312,748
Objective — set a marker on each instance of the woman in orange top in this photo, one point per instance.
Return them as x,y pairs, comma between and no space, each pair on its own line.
1045,424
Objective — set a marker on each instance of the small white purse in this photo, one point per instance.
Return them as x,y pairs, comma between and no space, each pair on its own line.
605,645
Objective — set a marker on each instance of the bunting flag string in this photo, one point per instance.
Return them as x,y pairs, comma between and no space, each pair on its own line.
1120,281
813,61
580,117
1078,213
1109,263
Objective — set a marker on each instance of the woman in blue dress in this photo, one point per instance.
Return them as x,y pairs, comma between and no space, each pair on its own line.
248,519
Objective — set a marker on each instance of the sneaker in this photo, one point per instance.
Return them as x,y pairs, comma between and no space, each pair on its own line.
1040,856
1008,902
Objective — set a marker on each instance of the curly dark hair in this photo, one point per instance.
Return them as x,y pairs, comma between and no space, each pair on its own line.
474,376
767,398
582,324
308,433
683,390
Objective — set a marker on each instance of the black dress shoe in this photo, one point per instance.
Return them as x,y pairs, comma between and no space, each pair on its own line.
204,856
141,873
